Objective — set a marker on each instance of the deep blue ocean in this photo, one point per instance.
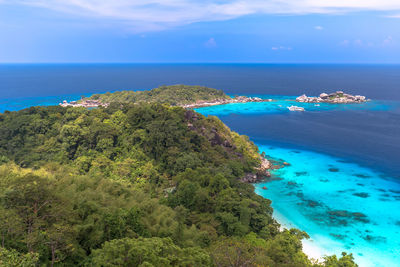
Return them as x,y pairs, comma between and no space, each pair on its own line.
343,183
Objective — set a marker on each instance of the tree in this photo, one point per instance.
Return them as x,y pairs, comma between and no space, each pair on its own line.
148,252
233,252
347,260
60,238
285,249
11,258
11,226
42,212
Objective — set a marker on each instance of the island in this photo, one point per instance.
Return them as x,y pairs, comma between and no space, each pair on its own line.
175,95
339,97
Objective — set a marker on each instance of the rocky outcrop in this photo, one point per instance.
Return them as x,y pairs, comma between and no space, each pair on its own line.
86,103
215,137
224,101
250,178
260,174
265,165
335,98
190,115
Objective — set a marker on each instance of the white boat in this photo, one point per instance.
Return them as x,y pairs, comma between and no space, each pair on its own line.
295,108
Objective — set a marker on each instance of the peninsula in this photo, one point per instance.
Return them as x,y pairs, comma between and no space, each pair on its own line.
339,97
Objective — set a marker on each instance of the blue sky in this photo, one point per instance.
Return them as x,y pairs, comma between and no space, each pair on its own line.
272,31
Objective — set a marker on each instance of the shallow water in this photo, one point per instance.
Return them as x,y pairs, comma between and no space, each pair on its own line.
339,198
19,103
280,105
341,205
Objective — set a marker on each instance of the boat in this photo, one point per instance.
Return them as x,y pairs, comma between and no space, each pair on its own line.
295,108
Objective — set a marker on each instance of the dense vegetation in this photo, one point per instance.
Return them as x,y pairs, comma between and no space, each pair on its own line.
134,185
173,95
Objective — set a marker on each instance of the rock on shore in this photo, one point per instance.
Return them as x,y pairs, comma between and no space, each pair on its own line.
335,98
260,173
87,103
238,99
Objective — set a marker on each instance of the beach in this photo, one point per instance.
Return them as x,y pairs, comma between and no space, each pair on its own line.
310,248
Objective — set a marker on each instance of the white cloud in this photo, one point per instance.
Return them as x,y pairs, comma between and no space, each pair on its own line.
388,41
363,43
210,43
358,42
276,48
319,28
159,14
344,43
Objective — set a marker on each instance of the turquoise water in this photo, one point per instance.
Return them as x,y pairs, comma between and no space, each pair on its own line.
342,205
280,104
13,104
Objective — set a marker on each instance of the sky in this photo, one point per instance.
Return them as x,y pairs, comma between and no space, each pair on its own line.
215,31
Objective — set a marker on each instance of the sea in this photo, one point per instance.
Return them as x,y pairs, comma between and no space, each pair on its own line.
342,185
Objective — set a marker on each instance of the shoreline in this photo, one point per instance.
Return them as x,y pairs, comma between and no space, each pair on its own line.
312,250
339,97
89,103
233,100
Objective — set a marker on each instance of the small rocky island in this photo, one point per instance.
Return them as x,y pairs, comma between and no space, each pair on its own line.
339,97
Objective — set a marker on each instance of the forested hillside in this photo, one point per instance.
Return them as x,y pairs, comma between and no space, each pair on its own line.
134,185
173,95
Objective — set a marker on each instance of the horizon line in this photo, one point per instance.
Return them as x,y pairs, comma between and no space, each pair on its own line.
198,63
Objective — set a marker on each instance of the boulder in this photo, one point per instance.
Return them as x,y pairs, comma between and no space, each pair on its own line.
302,98
249,178
323,95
